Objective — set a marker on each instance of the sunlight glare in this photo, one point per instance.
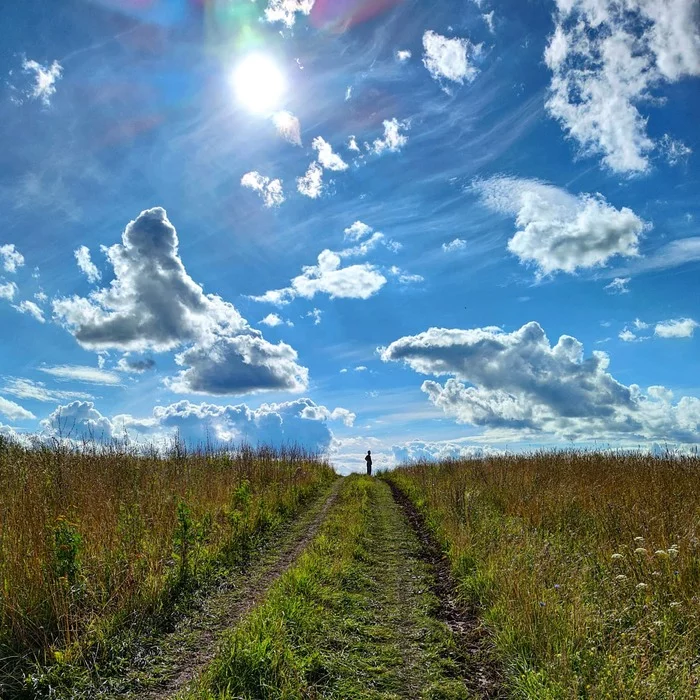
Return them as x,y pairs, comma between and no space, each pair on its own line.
259,83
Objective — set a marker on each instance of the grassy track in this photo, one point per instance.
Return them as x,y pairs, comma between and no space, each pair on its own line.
353,619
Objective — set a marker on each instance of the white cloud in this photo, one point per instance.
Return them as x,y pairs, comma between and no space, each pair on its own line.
326,157
273,320
403,55
352,144
29,307
357,231
606,57
627,336
28,389
89,269
559,231
393,140
316,315
81,373
425,451
45,78
488,19
454,246
285,11
520,382
301,422
448,58
14,411
153,304
360,368
270,190
640,325
618,286
8,290
673,151
676,328
311,184
288,127
242,364
130,366
328,277
404,277
11,258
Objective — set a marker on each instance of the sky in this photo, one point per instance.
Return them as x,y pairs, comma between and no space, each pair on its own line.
424,228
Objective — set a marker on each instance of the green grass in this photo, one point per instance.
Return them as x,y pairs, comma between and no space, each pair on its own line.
353,618
585,568
100,545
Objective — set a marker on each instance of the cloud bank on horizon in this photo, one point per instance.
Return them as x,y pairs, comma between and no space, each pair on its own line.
406,201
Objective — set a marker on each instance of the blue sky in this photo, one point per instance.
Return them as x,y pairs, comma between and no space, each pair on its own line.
421,228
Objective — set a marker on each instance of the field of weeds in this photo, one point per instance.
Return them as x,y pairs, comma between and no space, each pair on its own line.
93,541
584,568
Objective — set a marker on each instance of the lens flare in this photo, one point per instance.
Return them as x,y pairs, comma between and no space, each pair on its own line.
259,84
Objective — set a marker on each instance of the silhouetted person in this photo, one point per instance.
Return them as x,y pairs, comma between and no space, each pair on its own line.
368,459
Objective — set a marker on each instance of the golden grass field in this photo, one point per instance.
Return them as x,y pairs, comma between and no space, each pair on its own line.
584,568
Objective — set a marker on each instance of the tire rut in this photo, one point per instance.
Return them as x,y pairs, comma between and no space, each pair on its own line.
480,674
225,608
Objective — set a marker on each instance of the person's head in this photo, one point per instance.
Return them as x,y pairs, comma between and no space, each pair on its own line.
369,452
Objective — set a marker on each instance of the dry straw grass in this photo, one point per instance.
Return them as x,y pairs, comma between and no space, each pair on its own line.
94,538
585,567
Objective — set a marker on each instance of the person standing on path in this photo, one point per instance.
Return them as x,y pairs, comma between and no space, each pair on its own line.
368,459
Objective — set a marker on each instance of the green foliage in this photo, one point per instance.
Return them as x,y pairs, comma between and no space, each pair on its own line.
66,545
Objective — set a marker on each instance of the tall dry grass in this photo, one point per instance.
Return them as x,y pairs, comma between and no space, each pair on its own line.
585,567
92,539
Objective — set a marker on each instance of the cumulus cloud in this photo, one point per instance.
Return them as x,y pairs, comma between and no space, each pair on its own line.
29,307
326,157
454,246
628,336
131,366
316,315
519,381
352,144
449,58
288,127
393,140
8,290
273,320
605,58
488,20
328,277
357,231
14,411
559,231
269,190
10,257
311,184
403,55
619,285
44,77
301,422
87,267
153,304
676,328
286,11
436,451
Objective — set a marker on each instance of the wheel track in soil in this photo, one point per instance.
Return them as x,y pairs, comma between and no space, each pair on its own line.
479,672
226,607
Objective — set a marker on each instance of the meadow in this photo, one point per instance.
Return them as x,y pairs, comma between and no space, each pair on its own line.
584,569
95,540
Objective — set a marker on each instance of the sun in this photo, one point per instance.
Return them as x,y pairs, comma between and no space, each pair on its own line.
259,83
